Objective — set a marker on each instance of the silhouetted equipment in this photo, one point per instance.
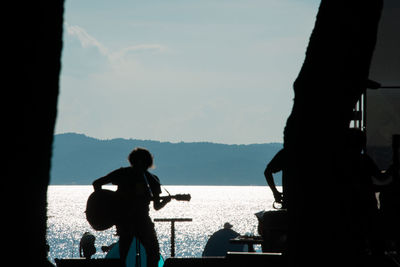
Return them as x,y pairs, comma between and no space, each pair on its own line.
102,208
273,227
250,241
173,220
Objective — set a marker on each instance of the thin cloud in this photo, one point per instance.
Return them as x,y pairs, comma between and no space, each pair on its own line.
88,40
85,38
148,47
152,48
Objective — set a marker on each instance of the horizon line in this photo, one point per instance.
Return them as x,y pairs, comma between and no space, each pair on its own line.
171,142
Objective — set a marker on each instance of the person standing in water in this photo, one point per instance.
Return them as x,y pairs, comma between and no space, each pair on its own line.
136,188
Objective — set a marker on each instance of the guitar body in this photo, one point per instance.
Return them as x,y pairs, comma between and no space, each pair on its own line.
100,209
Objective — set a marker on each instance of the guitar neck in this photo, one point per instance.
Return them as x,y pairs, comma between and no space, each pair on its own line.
179,197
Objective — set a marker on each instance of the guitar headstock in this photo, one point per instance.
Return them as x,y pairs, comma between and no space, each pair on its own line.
182,197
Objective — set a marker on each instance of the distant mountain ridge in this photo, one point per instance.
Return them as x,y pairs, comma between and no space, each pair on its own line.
79,159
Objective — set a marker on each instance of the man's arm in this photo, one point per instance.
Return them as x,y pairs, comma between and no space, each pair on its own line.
155,187
270,181
113,177
275,165
102,181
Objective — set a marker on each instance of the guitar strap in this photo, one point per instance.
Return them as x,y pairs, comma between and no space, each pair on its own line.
148,185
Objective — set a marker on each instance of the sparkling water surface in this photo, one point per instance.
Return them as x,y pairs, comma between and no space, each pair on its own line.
210,207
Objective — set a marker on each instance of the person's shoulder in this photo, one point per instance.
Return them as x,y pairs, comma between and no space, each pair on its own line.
155,177
276,163
119,173
121,170
281,154
227,233
231,232
154,182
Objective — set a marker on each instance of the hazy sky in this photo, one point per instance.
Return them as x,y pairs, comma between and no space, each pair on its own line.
193,70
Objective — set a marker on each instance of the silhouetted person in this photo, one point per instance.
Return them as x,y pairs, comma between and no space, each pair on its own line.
218,244
136,188
363,198
86,245
274,166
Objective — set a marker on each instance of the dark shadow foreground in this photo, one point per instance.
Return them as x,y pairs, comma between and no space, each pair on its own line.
332,78
31,62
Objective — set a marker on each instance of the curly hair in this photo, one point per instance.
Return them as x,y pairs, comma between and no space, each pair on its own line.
141,154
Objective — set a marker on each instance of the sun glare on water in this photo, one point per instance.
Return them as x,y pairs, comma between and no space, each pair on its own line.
210,207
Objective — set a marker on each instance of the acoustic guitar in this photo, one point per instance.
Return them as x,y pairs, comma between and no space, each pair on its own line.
101,208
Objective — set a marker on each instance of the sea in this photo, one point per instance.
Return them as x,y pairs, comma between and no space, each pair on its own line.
209,208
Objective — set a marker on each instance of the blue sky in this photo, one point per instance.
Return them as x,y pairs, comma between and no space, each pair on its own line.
217,71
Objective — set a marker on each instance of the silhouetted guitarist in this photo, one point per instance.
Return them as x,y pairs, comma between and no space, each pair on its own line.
136,188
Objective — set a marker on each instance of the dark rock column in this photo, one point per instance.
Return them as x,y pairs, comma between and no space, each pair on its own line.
331,79
31,65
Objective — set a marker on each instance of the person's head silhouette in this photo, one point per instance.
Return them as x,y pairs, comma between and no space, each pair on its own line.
140,158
